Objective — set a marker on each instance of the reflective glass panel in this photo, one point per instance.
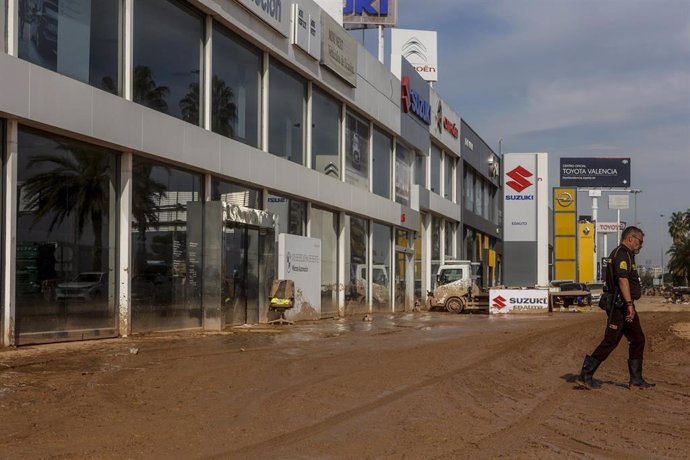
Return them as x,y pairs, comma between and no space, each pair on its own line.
468,186
292,214
324,226
166,247
448,167
403,175
435,169
325,137
79,39
448,240
420,170
435,243
167,58
478,195
286,101
66,228
382,164
356,286
357,152
235,94
236,194
381,267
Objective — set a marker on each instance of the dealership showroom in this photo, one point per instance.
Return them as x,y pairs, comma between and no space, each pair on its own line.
154,151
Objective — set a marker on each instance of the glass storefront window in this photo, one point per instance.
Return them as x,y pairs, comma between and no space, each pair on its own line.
232,193
382,163
468,185
435,169
381,267
356,288
418,258
79,39
292,214
287,94
166,247
448,168
324,226
420,170
160,82
235,93
357,152
325,134
67,211
487,200
403,175
448,240
478,195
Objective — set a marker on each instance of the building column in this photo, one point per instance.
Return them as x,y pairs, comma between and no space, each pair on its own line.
9,241
341,263
125,245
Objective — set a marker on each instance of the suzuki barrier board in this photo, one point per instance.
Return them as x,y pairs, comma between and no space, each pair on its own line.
518,300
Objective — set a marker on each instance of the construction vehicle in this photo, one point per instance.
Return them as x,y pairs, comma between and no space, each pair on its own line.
456,288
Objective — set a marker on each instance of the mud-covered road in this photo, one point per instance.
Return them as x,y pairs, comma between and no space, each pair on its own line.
422,385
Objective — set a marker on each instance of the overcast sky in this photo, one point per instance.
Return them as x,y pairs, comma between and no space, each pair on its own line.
589,78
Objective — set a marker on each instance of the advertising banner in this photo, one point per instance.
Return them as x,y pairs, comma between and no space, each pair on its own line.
445,126
610,227
299,260
417,46
272,13
502,301
595,172
520,197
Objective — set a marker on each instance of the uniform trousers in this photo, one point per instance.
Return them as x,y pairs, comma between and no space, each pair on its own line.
615,330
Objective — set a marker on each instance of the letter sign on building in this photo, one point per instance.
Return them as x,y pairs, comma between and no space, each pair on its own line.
370,12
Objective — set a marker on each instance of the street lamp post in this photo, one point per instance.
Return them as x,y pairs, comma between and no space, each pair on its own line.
661,250
635,192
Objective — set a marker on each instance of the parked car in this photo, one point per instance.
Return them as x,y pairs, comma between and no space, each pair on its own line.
86,286
596,290
569,293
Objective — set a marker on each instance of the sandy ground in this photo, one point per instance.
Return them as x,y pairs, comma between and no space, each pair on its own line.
422,385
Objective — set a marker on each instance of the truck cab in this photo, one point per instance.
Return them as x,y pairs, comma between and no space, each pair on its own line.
456,287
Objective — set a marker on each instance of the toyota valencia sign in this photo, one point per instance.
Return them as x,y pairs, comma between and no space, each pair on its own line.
595,172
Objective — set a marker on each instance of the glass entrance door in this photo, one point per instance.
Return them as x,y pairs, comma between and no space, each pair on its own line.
401,275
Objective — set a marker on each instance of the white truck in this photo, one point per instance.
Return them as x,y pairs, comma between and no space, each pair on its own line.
456,289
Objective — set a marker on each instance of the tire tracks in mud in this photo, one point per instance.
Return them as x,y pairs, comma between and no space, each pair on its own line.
544,408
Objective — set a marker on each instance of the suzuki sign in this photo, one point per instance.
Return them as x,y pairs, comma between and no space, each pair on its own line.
503,301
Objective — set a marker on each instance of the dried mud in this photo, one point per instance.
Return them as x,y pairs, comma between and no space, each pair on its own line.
422,385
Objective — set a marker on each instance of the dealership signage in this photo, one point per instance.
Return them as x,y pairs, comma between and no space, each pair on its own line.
299,259
595,172
338,49
306,32
503,301
520,190
275,13
414,102
363,13
610,227
445,126
417,46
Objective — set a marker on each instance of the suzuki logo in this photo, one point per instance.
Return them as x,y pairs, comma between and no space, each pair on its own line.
519,182
499,302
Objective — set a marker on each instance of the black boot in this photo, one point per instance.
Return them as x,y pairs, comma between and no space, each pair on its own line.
588,368
636,380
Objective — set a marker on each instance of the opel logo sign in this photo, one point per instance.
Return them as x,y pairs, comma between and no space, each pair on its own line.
565,199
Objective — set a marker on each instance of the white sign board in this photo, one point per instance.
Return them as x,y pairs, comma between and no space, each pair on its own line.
419,47
338,49
619,201
306,29
520,197
299,260
503,301
334,8
610,227
272,13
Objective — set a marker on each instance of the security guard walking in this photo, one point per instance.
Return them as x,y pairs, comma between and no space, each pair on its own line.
622,289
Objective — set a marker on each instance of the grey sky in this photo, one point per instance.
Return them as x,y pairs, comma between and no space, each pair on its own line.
591,78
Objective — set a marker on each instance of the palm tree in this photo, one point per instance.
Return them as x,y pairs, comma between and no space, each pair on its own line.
146,91
679,265
679,225
223,109
146,197
77,183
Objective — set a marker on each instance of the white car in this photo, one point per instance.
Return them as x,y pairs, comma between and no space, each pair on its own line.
86,286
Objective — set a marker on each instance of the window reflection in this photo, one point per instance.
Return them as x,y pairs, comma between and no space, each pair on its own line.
356,289
357,152
403,171
324,226
235,87
163,28
236,194
65,252
435,170
381,267
166,247
448,164
79,39
382,164
325,134
420,170
292,214
287,94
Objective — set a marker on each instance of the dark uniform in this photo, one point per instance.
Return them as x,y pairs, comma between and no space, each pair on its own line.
621,264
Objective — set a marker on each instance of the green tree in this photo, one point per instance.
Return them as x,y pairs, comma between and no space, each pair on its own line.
679,265
77,183
146,196
146,91
679,225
